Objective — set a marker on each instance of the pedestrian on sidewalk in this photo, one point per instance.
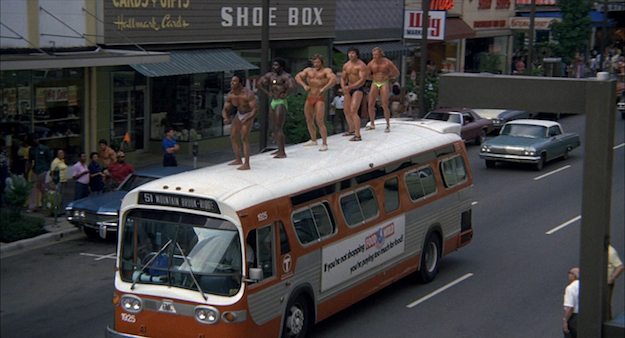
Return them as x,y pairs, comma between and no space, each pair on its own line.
39,160
170,147
571,305
4,168
80,173
107,154
96,175
119,170
615,268
339,116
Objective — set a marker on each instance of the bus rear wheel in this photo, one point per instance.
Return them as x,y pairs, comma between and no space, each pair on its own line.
297,319
430,257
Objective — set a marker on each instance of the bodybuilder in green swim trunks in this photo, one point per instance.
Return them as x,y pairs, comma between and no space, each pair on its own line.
382,70
281,85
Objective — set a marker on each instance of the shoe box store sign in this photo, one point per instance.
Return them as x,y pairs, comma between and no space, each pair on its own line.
201,20
413,25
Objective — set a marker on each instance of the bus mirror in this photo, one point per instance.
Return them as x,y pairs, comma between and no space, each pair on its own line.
256,274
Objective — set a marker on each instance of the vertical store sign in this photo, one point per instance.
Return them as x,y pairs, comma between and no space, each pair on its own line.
413,25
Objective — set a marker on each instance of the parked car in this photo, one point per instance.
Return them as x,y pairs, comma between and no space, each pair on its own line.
474,127
502,116
98,214
529,141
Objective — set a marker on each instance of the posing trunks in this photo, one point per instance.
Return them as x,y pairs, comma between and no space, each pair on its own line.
359,89
313,101
242,116
276,102
380,84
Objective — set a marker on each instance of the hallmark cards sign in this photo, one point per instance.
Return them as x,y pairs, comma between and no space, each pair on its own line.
413,25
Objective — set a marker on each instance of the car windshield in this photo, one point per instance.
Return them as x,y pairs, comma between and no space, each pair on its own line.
443,117
180,250
523,130
134,181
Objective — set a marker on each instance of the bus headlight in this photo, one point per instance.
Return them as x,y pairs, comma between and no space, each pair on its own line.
132,304
206,315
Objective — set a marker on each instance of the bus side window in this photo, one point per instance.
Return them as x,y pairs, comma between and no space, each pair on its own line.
285,248
453,171
359,206
420,183
313,223
391,194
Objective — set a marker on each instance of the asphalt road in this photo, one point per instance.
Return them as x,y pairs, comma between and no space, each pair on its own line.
508,283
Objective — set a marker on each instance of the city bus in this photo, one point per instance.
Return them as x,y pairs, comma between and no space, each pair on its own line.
269,252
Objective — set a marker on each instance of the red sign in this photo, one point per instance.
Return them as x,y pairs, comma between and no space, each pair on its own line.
441,5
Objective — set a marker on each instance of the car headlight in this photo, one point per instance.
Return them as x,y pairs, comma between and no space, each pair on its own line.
132,304
485,149
82,214
530,152
206,315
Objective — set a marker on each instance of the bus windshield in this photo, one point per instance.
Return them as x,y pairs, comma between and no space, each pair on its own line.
181,250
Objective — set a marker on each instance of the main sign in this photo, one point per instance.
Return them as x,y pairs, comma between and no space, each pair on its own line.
413,25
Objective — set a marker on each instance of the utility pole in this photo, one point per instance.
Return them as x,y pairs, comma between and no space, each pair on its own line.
263,110
530,44
425,4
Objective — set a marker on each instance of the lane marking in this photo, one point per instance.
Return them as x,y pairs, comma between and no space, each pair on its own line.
618,146
428,296
551,172
474,203
100,257
573,220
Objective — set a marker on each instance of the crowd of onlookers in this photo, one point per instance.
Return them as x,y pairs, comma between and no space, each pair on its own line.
51,174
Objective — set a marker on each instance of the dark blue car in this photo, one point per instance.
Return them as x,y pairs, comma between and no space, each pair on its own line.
100,213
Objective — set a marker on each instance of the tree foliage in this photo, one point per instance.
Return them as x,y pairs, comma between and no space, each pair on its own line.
573,33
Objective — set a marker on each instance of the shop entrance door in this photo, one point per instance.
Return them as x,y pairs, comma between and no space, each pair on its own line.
128,113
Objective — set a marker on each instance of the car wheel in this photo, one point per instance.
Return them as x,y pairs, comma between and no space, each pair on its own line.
490,163
540,164
430,257
481,138
297,319
91,233
565,156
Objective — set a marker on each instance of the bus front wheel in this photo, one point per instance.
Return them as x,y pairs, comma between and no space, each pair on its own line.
429,259
296,319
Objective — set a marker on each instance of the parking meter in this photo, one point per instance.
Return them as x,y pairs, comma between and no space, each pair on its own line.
195,148
195,152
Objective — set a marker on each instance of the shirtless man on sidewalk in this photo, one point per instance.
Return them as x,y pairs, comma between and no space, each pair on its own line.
243,100
353,78
316,80
282,85
383,71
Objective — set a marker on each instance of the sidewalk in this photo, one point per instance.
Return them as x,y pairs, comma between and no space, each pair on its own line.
63,230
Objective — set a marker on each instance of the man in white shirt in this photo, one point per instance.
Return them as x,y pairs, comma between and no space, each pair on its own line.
615,268
337,106
571,305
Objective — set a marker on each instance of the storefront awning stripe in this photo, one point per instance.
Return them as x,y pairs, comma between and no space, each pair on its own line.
456,28
391,49
183,62
97,58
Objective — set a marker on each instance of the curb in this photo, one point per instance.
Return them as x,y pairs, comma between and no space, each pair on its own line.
39,241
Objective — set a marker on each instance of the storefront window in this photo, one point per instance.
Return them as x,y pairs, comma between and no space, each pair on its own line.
128,111
16,119
191,104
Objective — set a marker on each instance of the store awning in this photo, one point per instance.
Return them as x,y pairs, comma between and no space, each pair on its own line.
195,62
456,28
99,57
391,49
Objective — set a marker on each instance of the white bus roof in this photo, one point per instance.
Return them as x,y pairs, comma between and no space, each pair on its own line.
307,167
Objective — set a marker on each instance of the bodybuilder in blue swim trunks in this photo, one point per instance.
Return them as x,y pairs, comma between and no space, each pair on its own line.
353,78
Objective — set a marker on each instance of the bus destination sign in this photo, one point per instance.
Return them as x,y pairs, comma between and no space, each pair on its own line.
179,201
